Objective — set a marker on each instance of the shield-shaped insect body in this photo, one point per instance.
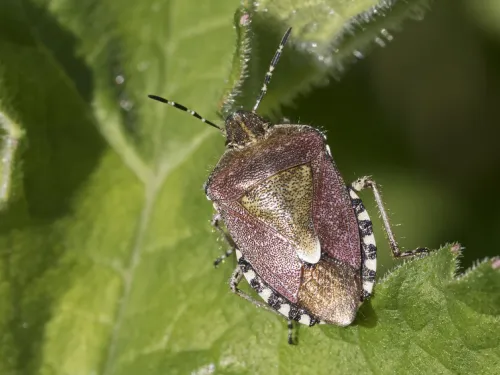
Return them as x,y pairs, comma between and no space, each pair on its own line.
293,222
302,237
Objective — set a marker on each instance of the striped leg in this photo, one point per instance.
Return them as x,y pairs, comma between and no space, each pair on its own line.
216,224
367,182
235,279
291,340
221,258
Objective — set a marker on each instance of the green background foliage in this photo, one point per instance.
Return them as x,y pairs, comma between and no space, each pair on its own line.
105,241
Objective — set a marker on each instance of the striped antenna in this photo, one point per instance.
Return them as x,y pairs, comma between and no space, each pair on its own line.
181,107
269,73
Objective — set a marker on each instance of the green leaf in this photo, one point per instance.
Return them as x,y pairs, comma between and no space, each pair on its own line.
327,36
486,13
424,319
9,158
105,243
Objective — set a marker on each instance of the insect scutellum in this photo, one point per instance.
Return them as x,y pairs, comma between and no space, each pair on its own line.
241,127
302,237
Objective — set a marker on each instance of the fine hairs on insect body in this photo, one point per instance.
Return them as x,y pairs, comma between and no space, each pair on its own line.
303,239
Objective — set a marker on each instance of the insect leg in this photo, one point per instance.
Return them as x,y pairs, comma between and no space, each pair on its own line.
367,182
220,259
235,279
290,326
216,220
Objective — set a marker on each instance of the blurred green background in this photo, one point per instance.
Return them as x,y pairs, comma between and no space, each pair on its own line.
422,117
106,246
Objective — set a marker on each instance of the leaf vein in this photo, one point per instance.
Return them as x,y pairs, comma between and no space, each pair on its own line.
129,272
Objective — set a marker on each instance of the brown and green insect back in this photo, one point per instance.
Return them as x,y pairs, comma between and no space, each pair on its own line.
302,237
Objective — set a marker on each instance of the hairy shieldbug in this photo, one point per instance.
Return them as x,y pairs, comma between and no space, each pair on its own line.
302,237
